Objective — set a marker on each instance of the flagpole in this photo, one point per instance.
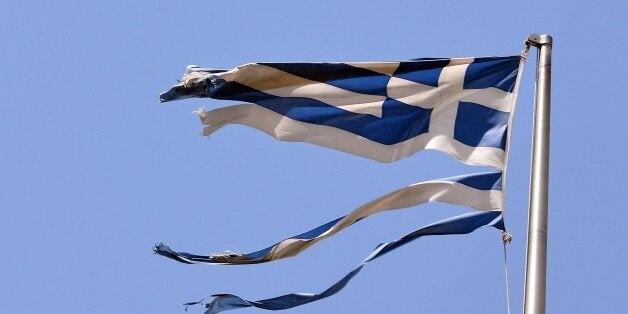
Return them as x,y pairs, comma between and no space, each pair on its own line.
535,277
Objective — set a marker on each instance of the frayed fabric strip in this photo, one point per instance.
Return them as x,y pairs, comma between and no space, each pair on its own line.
480,191
462,224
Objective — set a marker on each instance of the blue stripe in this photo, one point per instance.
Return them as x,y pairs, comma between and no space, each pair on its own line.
498,72
481,181
462,224
480,126
341,75
425,71
399,121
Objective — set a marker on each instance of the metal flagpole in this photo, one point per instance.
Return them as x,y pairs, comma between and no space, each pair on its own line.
534,302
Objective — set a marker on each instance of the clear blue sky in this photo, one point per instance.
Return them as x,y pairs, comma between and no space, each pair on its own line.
93,170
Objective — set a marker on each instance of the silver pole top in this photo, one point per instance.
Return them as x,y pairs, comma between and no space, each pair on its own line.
539,40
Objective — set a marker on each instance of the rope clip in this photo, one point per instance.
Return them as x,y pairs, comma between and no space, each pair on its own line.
506,237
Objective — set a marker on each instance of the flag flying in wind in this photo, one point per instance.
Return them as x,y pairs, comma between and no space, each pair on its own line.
480,191
385,111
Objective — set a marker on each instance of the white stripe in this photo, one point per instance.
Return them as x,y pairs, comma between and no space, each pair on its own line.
282,84
413,195
287,129
491,97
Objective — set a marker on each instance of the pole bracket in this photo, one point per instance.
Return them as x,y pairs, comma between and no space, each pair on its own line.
539,40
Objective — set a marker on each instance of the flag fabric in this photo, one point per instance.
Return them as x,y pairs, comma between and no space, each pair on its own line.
385,111
480,191
462,224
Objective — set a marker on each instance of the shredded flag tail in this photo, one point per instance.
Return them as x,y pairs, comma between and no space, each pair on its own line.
480,191
384,111
462,224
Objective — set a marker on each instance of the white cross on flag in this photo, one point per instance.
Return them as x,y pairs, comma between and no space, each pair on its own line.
385,111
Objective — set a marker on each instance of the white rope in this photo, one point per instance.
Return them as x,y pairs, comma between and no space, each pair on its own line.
506,238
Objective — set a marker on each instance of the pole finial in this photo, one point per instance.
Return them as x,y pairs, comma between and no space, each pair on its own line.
537,40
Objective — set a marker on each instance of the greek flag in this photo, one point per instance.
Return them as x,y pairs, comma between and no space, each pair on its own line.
384,111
